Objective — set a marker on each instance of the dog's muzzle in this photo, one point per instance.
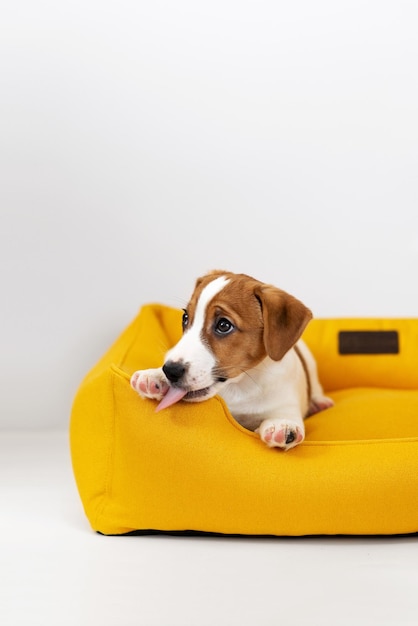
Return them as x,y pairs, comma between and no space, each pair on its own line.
174,370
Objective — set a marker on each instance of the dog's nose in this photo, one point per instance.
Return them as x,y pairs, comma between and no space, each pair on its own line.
174,370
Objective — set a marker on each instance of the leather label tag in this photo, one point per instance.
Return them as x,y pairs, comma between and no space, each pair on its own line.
368,342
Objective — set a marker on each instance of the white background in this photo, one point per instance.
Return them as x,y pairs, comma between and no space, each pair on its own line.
143,143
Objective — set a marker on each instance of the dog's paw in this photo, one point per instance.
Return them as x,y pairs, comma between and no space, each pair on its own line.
284,434
150,383
319,403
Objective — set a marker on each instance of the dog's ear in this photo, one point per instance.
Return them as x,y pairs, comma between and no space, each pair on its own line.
284,317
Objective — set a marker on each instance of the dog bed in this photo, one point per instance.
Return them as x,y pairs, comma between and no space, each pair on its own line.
192,467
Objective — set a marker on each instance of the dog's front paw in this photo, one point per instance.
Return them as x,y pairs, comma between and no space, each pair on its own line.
150,383
284,434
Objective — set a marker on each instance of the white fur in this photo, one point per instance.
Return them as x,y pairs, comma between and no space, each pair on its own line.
270,398
257,393
191,349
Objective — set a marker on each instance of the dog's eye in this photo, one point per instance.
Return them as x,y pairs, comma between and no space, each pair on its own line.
185,319
223,326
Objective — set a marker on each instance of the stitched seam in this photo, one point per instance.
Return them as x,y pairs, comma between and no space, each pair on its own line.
360,442
349,442
110,455
133,340
120,372
335,443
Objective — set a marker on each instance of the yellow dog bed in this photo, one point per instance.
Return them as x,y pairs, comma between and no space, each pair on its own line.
191,467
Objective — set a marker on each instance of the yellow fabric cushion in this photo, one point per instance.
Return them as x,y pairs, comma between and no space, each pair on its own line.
192,467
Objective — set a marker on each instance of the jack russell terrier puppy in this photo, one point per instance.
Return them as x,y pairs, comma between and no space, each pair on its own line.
241,340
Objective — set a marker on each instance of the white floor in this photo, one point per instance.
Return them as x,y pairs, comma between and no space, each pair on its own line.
55,571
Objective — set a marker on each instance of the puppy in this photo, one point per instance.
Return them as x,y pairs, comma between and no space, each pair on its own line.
241,340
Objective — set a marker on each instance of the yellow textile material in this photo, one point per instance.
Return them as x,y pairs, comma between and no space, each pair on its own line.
192,467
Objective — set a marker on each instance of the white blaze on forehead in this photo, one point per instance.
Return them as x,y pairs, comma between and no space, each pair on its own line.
208,293
190,349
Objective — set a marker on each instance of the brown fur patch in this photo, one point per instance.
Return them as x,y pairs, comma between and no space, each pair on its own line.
306,371
266,320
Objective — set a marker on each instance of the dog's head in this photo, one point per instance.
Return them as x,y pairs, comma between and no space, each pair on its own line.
230,325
